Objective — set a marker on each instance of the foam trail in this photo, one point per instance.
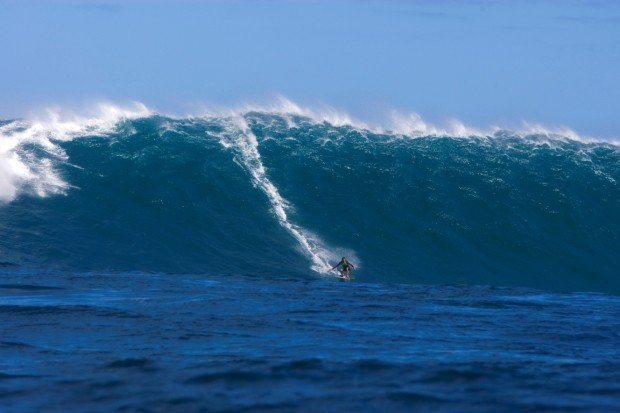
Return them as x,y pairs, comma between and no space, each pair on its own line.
240,137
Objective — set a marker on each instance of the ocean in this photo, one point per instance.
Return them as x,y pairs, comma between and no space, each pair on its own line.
163,263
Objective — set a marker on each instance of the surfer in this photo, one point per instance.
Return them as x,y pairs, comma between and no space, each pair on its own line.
346,268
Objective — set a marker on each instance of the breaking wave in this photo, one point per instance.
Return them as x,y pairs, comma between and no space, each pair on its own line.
286,190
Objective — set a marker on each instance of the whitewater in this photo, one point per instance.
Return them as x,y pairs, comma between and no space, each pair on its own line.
158,262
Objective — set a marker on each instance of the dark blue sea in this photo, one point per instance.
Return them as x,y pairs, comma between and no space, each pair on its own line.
151,263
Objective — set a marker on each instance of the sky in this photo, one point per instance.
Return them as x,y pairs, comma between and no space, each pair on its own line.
486,63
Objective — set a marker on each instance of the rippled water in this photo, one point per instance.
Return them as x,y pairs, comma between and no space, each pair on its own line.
75,342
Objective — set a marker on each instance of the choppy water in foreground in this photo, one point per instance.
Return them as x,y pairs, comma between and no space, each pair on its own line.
96,342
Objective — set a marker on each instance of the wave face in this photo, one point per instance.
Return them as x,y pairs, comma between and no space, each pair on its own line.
270,193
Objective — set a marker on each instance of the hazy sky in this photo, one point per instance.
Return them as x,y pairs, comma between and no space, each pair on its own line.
483,62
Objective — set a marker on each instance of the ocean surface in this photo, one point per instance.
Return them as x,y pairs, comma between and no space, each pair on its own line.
162,263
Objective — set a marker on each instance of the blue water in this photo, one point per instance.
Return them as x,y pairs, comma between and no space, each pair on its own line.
182,264
102,342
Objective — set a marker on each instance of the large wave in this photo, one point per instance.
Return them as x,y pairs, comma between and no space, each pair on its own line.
287,191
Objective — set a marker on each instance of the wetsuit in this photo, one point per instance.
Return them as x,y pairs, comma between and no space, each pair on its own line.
346,266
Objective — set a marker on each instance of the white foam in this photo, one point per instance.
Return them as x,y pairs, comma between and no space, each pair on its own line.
22,171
